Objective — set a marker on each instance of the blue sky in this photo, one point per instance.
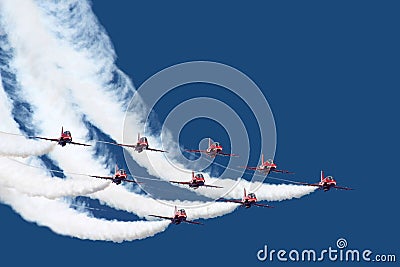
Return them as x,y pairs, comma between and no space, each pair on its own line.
330,74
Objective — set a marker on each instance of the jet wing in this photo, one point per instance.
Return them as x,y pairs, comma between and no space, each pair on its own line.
308,184
196,151
102,177
262,205
131,146
161,217
343,188
230,200
282,171
44,138
157,150
176,182
192,222
213,186
130,181
249,168
116,144
80,144
227,154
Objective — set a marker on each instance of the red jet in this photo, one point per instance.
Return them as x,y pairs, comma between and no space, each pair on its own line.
142,144
65,138
179,217
327,183
266,167
247,201
119,176
213,150
196,182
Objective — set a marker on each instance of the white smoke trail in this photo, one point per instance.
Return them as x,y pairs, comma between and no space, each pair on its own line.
33,182
24,147
16,145
119,198
269,192
66,221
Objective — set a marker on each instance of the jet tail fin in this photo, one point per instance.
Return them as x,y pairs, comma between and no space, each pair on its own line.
322,175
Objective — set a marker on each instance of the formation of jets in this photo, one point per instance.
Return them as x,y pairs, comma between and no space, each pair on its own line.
214,149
